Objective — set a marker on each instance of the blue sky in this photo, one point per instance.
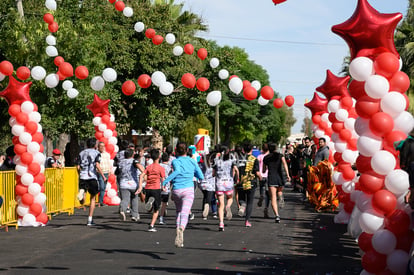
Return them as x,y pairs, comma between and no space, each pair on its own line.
266,31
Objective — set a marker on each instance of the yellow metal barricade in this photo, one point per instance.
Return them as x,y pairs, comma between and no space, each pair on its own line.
8,215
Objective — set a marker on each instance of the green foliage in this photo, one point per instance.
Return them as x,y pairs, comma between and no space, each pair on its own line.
191,126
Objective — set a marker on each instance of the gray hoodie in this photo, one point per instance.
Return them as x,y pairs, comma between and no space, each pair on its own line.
321,154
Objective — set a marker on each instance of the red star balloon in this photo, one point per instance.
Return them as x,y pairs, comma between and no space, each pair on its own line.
278,1
334,86
368,32
317,105
16,92
99,107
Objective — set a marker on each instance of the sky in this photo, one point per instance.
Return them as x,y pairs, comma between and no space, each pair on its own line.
292,41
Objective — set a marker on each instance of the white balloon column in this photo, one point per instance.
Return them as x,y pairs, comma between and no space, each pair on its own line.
29,159
105,132
379,89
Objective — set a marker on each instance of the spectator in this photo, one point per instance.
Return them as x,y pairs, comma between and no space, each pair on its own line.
322,153
55,160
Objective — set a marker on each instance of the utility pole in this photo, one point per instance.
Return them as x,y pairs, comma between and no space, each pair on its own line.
217,126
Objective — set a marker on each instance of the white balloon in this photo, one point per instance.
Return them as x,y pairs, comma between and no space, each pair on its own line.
39,158
35,116
166,88
342,217
51,5
361,68
404,122
170,38
27,179
262,101
109,75
325,117
370,221
34,189
363,202
361,126
178,50
393,103
51,51
341,115
67,84
397,261
12,121
52,80
115,200
349,123
236,85
116,149
25,138
111,193
384,241
337,178
158,78
214,62
21,169
27,107
223,74
128,12
22,210
16,160
139,27
33,147
319,133
112,117
348,187
369,145
96,120
29,220
113,140
349,156
256,84
383,162
38,73
17,129
397,182
72,93
333,106
339,146
102,127
40,198
97,83
376,86
2,77
213,98
51,40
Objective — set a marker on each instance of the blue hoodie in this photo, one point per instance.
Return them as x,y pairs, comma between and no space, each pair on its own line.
185,169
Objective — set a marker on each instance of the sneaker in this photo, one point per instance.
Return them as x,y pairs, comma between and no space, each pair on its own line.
266,213
90,223
135,219
162,220
151,228
206,208
229,215
122,216
241,210
179,239
277,219
81,196
281,201
247,224
221,227
215,216
148,205
260,202
128,211
191,216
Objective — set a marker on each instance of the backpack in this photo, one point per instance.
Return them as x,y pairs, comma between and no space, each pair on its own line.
248,180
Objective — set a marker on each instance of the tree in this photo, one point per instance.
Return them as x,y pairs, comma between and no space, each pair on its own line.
307,126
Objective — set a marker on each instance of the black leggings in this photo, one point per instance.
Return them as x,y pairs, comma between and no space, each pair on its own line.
246,197
207,197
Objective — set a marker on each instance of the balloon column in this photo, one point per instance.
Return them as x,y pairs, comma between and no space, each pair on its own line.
29,159
378,87
105,132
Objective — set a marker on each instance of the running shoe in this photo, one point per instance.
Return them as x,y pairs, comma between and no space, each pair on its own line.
151,228
241,210
229,215
135,219
206,208
221,227
128,211
162,220
81,196
281,201
277,219
191,216
215,215
122,216
90,223
148,205
247,224
179,239
260,202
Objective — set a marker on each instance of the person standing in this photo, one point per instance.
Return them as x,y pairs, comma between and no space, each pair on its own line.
54,161
184,169
273,164
88,168
322,153
106,167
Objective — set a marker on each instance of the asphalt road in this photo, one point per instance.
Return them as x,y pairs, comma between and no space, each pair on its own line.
305,242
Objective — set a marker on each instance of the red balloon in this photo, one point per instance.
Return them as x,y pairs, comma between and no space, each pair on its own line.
337,126
48,18
26,158
348,173
397,222
150,33
346,102
202,53
42,148
371,182
20,189
344,197
334,86
289,100
37,137
66,69
188,80
112,1
42,218
392,137
381,124
144,81
98,135
120,6
332,118
33,168
81,72
109,148
278,1
365,241
203,84
386,64
317,105
352,144
373,261
188,49
99,106
407,100
105,119
349,206
278,103
19,149
338,157
246,83
39,178
157,39
111,125
128,88
323,125
114,133
61,76
367,106
111,178
53,27
36,209
6,68
316,119
356,89
400,82
345,135
250,93
384,201
14,110
27,199
363,164
267,92
58,60
23,72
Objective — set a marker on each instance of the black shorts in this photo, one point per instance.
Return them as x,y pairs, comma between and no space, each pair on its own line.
91,186
165,197
156,193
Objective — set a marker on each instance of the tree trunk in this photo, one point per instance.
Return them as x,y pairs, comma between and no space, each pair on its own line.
19,4
156,140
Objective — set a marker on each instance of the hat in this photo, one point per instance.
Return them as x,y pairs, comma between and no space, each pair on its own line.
56,152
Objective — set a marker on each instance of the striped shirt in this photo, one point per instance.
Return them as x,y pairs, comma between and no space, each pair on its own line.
106,163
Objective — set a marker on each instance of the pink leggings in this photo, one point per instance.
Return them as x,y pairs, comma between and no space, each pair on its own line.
183,199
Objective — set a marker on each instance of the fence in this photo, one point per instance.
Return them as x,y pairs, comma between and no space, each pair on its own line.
61,188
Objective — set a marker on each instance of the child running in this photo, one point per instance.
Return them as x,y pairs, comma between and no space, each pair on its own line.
165,192
207,185
155,174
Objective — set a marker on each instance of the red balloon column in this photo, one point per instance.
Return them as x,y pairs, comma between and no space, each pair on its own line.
29,160
382,119
105,132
